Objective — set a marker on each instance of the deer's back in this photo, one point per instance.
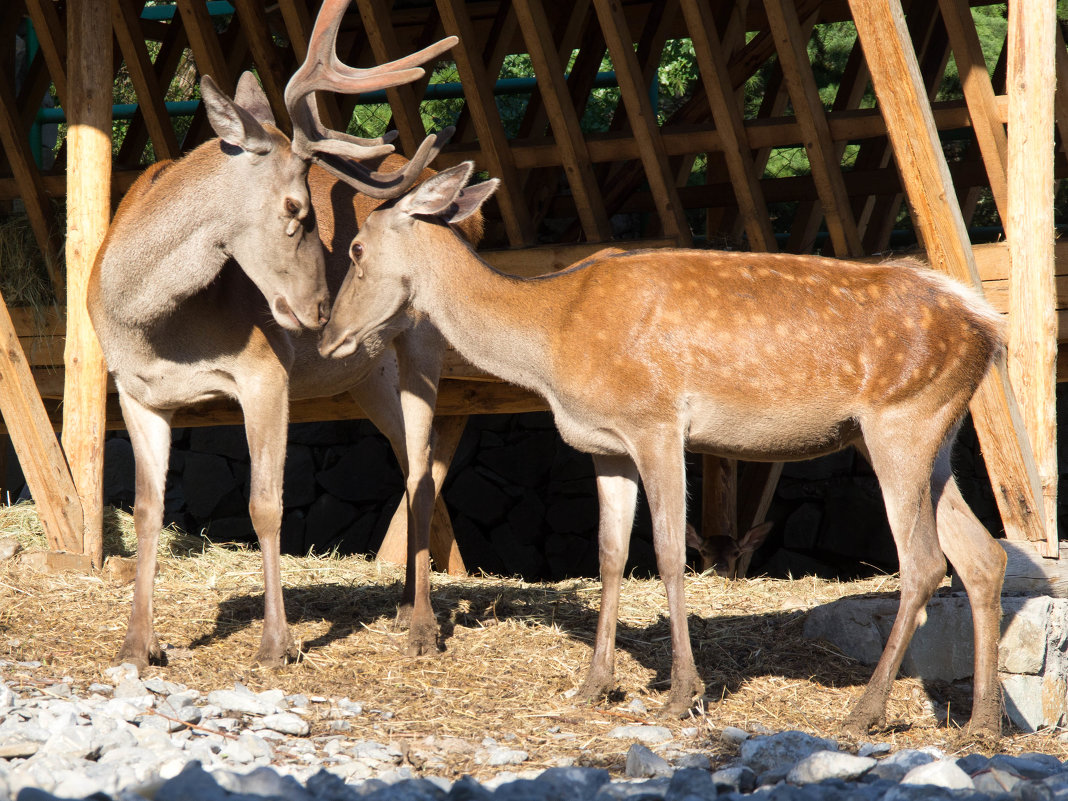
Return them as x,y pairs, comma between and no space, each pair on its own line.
761,333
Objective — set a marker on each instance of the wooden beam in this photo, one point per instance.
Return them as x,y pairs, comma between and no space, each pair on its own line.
38,451
150,95
979,94
496,153
729,123
28,182
534,23
643,120
1029,231
52,38
792,47
204,42
403,100
265,55
88,213
899,88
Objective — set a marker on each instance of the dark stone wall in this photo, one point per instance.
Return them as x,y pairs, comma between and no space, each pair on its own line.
522,502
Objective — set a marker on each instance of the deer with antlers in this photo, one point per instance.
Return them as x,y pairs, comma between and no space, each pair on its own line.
212,271
743,355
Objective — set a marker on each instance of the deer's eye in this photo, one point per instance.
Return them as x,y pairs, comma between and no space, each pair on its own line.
292,207
356,251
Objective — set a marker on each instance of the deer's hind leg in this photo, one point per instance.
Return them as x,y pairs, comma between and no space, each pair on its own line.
980,562
150,436
902,449
265,403
663,469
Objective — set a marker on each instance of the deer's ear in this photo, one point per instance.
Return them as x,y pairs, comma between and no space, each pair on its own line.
754,537
250,97
436,194
471,199
231,122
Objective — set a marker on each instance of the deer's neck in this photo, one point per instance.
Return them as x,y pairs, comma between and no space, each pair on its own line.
499,323
175,244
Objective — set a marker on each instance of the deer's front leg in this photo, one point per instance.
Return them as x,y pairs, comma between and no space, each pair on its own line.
150,436
420,351
617,491
265,402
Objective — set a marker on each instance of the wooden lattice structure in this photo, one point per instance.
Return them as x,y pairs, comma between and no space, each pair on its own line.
565,188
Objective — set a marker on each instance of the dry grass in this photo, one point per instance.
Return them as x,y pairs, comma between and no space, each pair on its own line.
511,649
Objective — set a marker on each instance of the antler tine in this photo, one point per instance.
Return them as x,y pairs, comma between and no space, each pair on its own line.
385,185
323,70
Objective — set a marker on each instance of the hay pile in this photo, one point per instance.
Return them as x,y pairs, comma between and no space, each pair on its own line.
512,649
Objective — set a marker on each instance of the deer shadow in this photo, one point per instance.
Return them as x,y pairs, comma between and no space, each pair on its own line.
730,650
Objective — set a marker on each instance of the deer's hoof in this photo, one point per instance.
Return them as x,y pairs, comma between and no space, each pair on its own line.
404,617
422,640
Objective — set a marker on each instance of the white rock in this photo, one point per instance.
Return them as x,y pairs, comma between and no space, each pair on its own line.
829,765
780,752
8,698
497,756
644,764
940,773
243,703
732,734
119,673
8,548
643,734
287,723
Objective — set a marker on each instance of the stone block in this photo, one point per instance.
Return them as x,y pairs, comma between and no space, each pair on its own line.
1032,657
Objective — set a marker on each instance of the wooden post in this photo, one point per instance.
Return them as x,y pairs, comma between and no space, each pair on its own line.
1029,231
910,124
35,444
88,211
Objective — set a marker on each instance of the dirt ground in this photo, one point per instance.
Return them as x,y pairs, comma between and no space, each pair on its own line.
511,650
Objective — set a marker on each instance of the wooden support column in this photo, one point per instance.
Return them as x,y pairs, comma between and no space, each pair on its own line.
910,125
88,213
1029,231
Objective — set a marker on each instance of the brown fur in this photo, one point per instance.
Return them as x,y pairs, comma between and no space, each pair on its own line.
740,355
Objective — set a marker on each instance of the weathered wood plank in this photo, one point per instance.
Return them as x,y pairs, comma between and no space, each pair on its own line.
125,20
88,214
1029,231
979,94
899,88
791,45
729,123
52,37
534,23
643,121
38,451
496,153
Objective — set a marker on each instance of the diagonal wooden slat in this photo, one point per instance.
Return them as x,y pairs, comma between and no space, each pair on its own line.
931,44
979,94
851,89
728,116
299,22
125,19
899,88
173,42
52,37
478,90
28,180
204,43
403,100
565,123
643,120
826,169
265,55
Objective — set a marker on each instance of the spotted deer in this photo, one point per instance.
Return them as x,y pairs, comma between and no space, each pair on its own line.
743,355
211,273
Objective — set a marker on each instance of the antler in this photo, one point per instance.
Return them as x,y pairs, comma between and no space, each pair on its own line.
338,152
